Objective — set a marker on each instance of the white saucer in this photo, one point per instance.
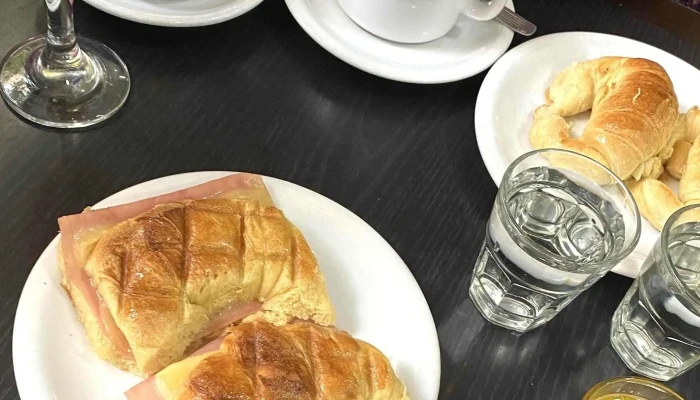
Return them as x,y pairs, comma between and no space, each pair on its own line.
515,86
469,48
374,294
176,13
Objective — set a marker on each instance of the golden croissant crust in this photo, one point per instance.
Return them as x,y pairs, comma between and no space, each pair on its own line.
677,162
166,274
633,112
635,130
655,199
296,361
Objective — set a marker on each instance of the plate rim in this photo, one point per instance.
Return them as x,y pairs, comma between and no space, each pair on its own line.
486,99
22,371
233,9
301,12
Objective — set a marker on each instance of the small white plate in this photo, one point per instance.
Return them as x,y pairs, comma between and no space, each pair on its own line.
176,13
515,86
469,48
375,296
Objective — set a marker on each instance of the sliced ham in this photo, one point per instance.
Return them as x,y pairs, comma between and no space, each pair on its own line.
80,232
226,318
209,347
218,324
148,389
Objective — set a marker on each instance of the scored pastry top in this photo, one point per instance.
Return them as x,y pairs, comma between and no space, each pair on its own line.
296,361
166,273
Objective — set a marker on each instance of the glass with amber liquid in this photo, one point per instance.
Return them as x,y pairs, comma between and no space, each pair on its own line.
631,388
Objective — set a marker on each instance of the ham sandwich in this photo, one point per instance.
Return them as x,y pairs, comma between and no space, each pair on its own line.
155,279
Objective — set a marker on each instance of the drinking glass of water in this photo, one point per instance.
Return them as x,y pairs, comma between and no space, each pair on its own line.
559,223
656,328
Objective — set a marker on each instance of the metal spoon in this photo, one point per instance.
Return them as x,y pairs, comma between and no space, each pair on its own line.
515,22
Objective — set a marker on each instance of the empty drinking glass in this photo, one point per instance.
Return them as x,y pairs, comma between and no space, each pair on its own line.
559,223
53,81
656,328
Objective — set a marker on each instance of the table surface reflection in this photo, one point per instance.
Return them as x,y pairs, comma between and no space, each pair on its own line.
257,94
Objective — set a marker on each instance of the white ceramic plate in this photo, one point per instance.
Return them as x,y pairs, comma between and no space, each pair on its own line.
469,48
375,296
175,13
515,86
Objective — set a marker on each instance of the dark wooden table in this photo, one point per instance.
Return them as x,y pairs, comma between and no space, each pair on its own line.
257,94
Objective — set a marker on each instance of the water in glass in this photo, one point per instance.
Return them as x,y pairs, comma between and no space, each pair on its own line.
545,243
656,328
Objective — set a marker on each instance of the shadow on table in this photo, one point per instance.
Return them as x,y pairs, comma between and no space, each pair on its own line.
575,343
188,56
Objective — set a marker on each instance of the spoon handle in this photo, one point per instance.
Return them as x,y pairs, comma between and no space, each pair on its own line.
515,22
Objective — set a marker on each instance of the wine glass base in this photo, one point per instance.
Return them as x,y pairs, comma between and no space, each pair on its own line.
49,101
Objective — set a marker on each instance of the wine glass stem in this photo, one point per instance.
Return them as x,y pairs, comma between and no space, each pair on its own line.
61,46
53,81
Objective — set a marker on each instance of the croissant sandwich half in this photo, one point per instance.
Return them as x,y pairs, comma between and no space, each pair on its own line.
155,279
259,361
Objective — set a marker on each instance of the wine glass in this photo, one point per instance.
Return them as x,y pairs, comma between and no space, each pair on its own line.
55,80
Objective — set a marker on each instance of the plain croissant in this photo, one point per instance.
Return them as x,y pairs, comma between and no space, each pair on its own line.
259,361
634,110
675,166
656,201
689,189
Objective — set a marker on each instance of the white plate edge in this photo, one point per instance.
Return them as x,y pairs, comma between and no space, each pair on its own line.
215,16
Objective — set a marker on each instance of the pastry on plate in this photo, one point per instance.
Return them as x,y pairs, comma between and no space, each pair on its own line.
257,360
656,200
675,166
635,129
155,279
633,112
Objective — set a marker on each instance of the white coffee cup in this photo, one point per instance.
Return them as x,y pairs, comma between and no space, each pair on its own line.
416,21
